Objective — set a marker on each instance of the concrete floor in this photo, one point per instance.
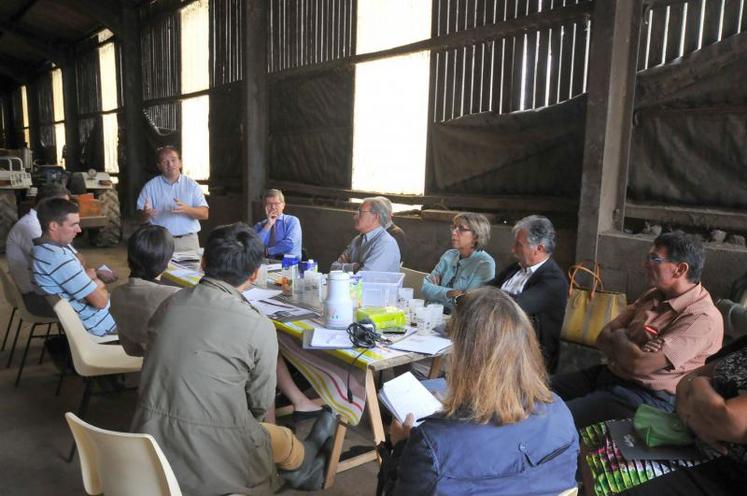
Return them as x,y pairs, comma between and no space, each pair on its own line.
34,435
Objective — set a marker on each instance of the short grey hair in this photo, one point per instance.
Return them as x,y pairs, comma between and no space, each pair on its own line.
478,224
388,206
540,231
273,193
378,207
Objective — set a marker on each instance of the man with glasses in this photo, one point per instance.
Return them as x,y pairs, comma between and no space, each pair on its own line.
374,248
665,334
537,283
280,233
174,201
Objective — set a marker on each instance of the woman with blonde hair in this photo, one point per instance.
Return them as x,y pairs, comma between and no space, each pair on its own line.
466,265
501,430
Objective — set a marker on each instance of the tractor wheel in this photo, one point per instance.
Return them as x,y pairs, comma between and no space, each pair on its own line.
8,214
111,234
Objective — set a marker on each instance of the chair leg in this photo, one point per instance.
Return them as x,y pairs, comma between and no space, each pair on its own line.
82,410
7,329
44,347
62,373
25,353
15,340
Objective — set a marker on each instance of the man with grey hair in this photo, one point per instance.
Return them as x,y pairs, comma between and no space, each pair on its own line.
536,282
280,233
374,248
397,233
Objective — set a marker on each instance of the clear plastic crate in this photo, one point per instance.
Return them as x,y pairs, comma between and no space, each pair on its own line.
380,289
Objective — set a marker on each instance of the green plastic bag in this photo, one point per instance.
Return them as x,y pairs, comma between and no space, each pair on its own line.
659,428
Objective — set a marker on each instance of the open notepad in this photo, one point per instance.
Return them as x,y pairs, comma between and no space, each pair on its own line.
405,394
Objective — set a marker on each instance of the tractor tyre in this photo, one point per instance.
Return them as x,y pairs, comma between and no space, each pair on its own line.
8,214
111,234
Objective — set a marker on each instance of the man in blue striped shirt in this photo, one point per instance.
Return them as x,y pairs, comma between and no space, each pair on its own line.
57,271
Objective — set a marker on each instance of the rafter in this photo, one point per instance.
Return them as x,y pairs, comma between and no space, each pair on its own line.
107,12
49,49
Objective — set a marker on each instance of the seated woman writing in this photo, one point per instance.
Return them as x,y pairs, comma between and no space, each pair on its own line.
467,265
712,402
501,430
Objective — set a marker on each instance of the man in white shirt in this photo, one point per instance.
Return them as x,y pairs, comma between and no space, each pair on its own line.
20,243
536,282
374,248
174,201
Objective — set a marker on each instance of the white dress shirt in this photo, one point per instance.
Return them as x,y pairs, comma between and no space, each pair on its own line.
515,284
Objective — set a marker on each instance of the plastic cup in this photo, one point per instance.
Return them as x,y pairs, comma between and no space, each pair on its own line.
413,305
437,313
405,295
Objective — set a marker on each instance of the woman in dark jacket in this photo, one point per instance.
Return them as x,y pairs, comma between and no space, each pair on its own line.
501,430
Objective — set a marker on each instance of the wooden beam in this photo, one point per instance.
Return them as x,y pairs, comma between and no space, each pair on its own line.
688,216
107,12
49,49
256,105
611,90
457,39
133,173
12,72
70,100
490,203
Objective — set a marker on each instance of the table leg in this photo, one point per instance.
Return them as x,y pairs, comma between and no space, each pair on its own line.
435,370
334,456
374,412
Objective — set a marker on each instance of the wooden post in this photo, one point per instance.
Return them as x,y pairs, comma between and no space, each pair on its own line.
132,176
70,96
611,91
255,80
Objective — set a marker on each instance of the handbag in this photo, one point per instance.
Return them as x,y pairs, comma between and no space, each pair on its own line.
659,428
588,310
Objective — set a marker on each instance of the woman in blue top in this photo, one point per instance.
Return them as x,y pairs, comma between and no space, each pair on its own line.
501,430
466,265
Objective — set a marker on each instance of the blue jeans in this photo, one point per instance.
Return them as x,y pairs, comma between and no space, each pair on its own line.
595,394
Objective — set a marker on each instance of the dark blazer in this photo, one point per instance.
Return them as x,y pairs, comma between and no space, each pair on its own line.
543,299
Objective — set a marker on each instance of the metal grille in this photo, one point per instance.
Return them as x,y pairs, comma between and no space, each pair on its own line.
166,115
227,41
44,107
87,78
528,70
672,28
304,32
159,46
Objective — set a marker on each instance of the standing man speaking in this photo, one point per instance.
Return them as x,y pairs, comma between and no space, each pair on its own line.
174,201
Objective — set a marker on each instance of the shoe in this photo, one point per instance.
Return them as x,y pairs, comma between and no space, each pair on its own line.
310,475
323,429
299,416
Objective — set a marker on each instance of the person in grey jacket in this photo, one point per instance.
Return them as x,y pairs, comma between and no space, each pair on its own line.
209,377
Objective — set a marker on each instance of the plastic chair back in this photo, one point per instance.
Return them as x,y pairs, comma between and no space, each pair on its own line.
570,492
90,358
414,280
12,294
120,463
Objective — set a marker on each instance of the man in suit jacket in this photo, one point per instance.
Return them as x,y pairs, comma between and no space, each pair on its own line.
537,283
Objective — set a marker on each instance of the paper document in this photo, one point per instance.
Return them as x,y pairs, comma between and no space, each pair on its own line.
186,256
404,394
184,273
323,338
429,345
254,294
282,312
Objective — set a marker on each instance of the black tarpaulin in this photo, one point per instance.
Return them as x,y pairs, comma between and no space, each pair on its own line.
690,129
535,152
311,128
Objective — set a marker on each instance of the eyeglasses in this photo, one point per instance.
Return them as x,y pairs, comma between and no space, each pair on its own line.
361,211
655,259
461,229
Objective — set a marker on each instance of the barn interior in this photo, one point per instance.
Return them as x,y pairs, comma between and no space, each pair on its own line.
616,119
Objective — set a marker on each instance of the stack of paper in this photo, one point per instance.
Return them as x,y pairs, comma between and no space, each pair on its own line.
327,339
404,394
282,312
255,294
428,345
186,256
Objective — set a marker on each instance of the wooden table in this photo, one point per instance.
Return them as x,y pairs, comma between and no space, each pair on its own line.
369,364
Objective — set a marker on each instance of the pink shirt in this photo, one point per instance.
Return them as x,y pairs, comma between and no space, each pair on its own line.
692,329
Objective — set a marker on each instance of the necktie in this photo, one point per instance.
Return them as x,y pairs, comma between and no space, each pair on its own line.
272,233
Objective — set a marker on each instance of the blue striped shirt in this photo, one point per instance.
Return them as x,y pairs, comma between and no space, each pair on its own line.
57,271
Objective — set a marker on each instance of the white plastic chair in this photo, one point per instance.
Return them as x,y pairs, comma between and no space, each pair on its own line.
570,492
120,463
91,359
414,280
14,297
